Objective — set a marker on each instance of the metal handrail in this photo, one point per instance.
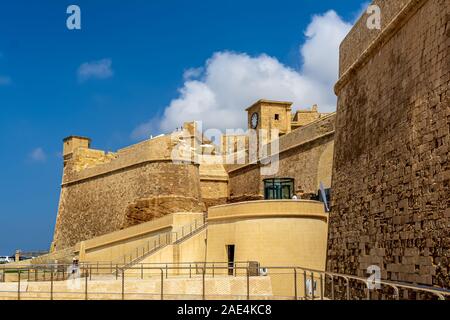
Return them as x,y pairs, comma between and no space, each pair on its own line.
122,260
440,293
311,274
106,265
193,227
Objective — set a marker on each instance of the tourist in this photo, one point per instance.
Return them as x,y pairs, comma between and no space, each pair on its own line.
74,265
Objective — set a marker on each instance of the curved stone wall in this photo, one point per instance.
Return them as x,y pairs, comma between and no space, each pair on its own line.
273,233
113,201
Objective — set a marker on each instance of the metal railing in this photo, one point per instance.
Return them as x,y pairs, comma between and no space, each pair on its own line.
198,280
160,241
362,284
134,255
190,229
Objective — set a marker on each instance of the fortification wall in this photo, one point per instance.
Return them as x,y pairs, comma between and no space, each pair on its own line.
360,37
214,192
391,173
138,184
213,182
306,154
245,184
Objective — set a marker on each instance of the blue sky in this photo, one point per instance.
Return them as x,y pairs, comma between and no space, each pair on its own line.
137,68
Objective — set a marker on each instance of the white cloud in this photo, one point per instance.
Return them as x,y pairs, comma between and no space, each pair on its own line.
38,155
192,73
145,129
362,10
229,82
5,80
321,51
101,69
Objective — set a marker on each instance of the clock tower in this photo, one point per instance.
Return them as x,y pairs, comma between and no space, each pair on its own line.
269,115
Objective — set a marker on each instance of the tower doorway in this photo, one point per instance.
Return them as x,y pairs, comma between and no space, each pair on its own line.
230,253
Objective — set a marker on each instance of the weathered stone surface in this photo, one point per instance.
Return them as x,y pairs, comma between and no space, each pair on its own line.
306,155
135,185
391,187
148,209
213,183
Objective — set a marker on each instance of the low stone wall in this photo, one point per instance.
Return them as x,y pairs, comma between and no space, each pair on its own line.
131,241
272,233
219,288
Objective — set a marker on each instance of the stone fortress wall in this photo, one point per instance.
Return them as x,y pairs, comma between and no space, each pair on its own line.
105,192
385,154
305,154
391,171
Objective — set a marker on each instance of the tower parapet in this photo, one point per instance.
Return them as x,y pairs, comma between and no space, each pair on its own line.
72,143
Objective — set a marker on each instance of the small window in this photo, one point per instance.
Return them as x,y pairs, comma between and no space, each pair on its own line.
277,116
278,188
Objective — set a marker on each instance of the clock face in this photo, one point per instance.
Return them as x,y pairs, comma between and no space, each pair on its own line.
254,120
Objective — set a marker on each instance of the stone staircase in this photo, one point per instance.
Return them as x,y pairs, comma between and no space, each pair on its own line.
166,239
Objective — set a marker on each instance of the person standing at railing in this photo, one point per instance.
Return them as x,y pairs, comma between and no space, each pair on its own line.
74,268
